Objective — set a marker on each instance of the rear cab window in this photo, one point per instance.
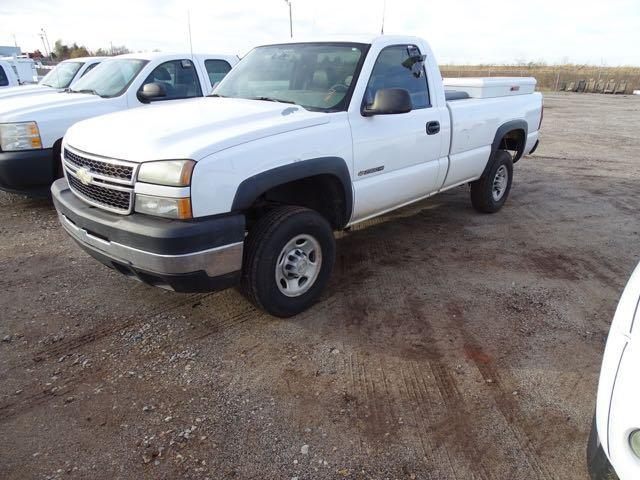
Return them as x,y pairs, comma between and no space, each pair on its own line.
216,69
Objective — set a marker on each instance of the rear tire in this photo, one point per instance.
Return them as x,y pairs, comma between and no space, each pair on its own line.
288,257
490,192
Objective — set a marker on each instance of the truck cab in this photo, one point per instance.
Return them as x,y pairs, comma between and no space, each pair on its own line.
32,127
245,187
58,78
8,77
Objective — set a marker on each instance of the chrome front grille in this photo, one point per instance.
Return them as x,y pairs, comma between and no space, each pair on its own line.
103,182
115,170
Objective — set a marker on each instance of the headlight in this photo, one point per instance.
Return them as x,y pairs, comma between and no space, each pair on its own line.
164,206
174,173
634,441
19,136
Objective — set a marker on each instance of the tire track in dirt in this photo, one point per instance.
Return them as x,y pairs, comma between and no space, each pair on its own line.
503,400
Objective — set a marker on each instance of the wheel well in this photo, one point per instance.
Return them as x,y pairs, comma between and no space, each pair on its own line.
514,141
323,193
57,162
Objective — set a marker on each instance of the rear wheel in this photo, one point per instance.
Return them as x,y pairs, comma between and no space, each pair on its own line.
490,192
289,255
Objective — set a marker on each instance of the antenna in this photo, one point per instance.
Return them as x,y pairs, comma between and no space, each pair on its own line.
288,2
189,27
384,11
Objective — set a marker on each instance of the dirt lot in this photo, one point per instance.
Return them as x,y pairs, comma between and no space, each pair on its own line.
449,344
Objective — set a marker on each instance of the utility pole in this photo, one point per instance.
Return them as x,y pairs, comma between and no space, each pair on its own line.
46,39
44,45
384,12
288,2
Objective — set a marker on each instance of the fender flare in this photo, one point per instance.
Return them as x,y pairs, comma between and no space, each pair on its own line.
251,188
500,133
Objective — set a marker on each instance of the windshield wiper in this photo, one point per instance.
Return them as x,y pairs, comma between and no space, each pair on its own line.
216,95
85,90
269,99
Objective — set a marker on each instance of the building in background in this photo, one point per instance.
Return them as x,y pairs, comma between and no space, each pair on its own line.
8,51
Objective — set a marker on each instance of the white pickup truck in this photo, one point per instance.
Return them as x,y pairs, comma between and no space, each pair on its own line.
8,77
614,444
59,77
32,127
246,187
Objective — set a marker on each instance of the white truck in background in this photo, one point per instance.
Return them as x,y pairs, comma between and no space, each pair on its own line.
24,69
613,449
32,126
59,77
8,76
245,187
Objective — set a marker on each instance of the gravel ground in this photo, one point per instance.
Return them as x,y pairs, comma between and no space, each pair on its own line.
449,345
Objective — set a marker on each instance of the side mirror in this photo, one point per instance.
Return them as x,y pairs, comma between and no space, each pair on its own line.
151,91
389,101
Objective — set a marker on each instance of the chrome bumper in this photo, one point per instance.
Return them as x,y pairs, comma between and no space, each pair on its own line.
215,261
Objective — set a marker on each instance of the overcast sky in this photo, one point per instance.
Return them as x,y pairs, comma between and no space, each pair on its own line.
460,31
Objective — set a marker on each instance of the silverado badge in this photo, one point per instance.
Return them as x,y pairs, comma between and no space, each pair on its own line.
84,175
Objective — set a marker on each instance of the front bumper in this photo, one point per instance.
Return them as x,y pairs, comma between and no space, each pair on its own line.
198,255
597,462
28,172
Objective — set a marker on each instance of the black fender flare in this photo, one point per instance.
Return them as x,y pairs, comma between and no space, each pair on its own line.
501,132
251,188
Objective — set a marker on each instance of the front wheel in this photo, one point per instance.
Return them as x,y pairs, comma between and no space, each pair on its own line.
489,192
289,255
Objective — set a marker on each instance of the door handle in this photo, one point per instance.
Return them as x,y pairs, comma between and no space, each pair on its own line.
433,128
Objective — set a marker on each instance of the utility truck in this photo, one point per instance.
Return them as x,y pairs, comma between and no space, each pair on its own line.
246,187
32,127
59,77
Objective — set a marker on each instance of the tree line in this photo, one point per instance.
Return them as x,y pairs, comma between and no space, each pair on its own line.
62,51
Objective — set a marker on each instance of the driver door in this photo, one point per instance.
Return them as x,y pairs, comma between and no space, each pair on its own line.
395,156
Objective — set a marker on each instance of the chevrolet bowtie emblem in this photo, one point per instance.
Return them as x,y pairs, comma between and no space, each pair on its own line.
84,175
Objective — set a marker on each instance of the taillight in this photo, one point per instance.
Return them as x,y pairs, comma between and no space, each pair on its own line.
541,116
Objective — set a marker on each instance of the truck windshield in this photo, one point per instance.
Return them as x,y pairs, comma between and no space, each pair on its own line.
316,76
110,78
61,75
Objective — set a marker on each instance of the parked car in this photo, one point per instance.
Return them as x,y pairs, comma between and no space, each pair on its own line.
8,77
59,77
247,186
24,69
32,127
614,443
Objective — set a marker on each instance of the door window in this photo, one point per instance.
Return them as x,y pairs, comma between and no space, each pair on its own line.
89,68
216,69
400,66
178,77
4,81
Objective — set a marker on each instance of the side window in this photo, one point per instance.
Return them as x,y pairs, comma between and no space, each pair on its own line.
400,66
216,69
4,81
89,68
178,77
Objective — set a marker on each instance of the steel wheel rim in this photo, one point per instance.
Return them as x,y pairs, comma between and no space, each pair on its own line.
298,265
500,182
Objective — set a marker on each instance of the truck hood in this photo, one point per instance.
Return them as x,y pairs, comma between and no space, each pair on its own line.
191,129
25,90
25,108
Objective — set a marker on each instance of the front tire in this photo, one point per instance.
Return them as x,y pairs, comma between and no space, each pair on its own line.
289,255
490,192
